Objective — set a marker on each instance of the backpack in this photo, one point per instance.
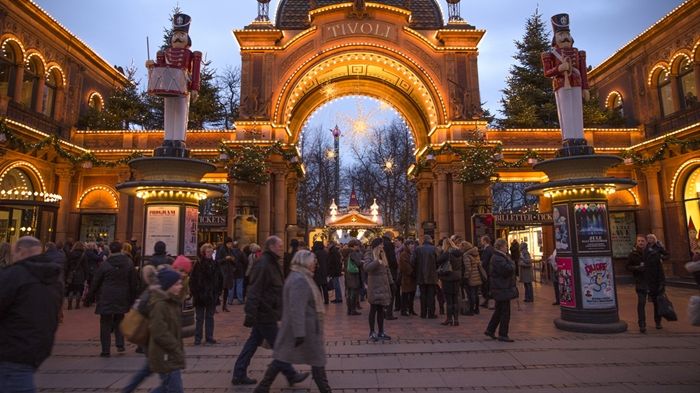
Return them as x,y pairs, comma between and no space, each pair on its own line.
352,267
134,326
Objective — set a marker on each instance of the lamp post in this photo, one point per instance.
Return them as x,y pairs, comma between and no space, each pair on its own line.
336,146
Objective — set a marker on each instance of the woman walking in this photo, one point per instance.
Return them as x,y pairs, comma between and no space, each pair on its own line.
473,274
76,274
300,339
450,273
379,283
204,286
525,264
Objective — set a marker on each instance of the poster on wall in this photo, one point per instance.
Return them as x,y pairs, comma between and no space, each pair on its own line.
191,220
592,226
162,224
597,284
483,224
623,233
562,238
567,287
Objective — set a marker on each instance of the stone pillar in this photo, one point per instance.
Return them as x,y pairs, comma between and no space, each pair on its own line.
458,208
443,212
292,185
675,93
19,77
423,208
264,213
654,198
545,206
39,99
696,68
123,208
232,208
65,178
280,203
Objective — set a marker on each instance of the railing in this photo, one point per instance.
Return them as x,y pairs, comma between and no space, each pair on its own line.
680,119
41,122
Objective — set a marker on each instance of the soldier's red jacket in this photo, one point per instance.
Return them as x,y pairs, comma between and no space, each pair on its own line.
183,59
578,77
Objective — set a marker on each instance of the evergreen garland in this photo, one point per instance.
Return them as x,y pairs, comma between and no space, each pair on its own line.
660,153
248,162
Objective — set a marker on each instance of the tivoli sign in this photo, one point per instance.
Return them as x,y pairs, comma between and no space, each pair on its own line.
348,28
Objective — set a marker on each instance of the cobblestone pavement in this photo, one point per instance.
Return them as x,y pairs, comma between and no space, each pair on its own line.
422,357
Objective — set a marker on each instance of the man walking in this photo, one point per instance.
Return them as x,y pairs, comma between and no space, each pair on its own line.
486,254
30,301
263,309
425,260
645,264
503,290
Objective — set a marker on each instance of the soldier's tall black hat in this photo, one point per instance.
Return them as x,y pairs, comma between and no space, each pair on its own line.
181,22
560,22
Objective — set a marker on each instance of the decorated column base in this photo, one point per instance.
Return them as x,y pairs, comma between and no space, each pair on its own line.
578,189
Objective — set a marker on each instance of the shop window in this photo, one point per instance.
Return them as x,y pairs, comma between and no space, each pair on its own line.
691,199
8,69
30,83
686,82
50,90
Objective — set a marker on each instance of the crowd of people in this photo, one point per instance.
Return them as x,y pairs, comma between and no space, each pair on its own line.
284,295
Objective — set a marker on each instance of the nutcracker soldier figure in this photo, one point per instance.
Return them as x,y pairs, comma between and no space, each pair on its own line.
566,66
175,76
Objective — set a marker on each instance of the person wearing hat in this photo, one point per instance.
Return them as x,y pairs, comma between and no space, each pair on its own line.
166,353
566,66
379,283
175,76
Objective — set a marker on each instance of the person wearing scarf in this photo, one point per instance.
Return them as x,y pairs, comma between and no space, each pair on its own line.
300,339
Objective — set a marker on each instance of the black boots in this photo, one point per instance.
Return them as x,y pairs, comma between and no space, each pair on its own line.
268,379
319,376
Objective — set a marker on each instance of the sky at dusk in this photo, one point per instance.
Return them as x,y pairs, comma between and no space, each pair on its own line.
117,30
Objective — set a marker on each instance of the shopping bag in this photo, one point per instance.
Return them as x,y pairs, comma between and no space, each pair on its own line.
694,310
666,308
134,327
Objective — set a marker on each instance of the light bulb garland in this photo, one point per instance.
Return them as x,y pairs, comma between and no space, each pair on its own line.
634,158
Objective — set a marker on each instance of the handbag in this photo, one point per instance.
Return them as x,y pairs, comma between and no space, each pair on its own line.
666,308
444,268
352,267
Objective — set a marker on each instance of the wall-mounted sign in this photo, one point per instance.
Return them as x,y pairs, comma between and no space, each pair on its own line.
522,219
212,221
162,224
597,284
592,226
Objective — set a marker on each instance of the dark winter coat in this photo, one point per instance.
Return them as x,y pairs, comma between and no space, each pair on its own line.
353,280
379,283
408,271
649,277
159,259
451,280
425,260
300,319
515,251
525,264
502,277
165,349
264,303
204,283
77,268
321,273
115,285
486,254
335,262
390,253
93,261
57,256
30,300
241,263
228,264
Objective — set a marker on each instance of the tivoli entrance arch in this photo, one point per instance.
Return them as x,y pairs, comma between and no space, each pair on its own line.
399,51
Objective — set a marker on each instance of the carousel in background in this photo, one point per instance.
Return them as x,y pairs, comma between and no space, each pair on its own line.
343,225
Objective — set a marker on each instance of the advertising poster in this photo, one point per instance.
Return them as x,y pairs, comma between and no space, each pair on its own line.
191,220
562,238
162,224
592,226
623,233
597,284
483,224
567,287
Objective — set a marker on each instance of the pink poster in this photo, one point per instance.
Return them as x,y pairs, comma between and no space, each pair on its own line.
567,287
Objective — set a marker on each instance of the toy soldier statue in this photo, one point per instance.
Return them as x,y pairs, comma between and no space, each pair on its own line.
566,66
175,77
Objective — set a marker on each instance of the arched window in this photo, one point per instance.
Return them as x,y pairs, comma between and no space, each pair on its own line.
30,82
686,82
8,68
663,85
615,103
50,90
95,102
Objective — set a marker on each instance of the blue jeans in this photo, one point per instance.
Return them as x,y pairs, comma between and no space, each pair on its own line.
258,333
338,291
139,377
529,295
236,290
204,316
16,378
170,383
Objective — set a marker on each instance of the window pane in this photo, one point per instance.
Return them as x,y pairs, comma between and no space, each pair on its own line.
49,100
690,96
666,99
7,78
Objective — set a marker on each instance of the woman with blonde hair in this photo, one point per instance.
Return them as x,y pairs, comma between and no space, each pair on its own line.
300,339
379,283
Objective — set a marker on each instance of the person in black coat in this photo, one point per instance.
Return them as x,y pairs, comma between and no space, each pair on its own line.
486,254
424,258
503,290
390,252
204,287
76,274
293,248
30,302
160,255
114,285
451,278
226,260
335,270
321,274
645,264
